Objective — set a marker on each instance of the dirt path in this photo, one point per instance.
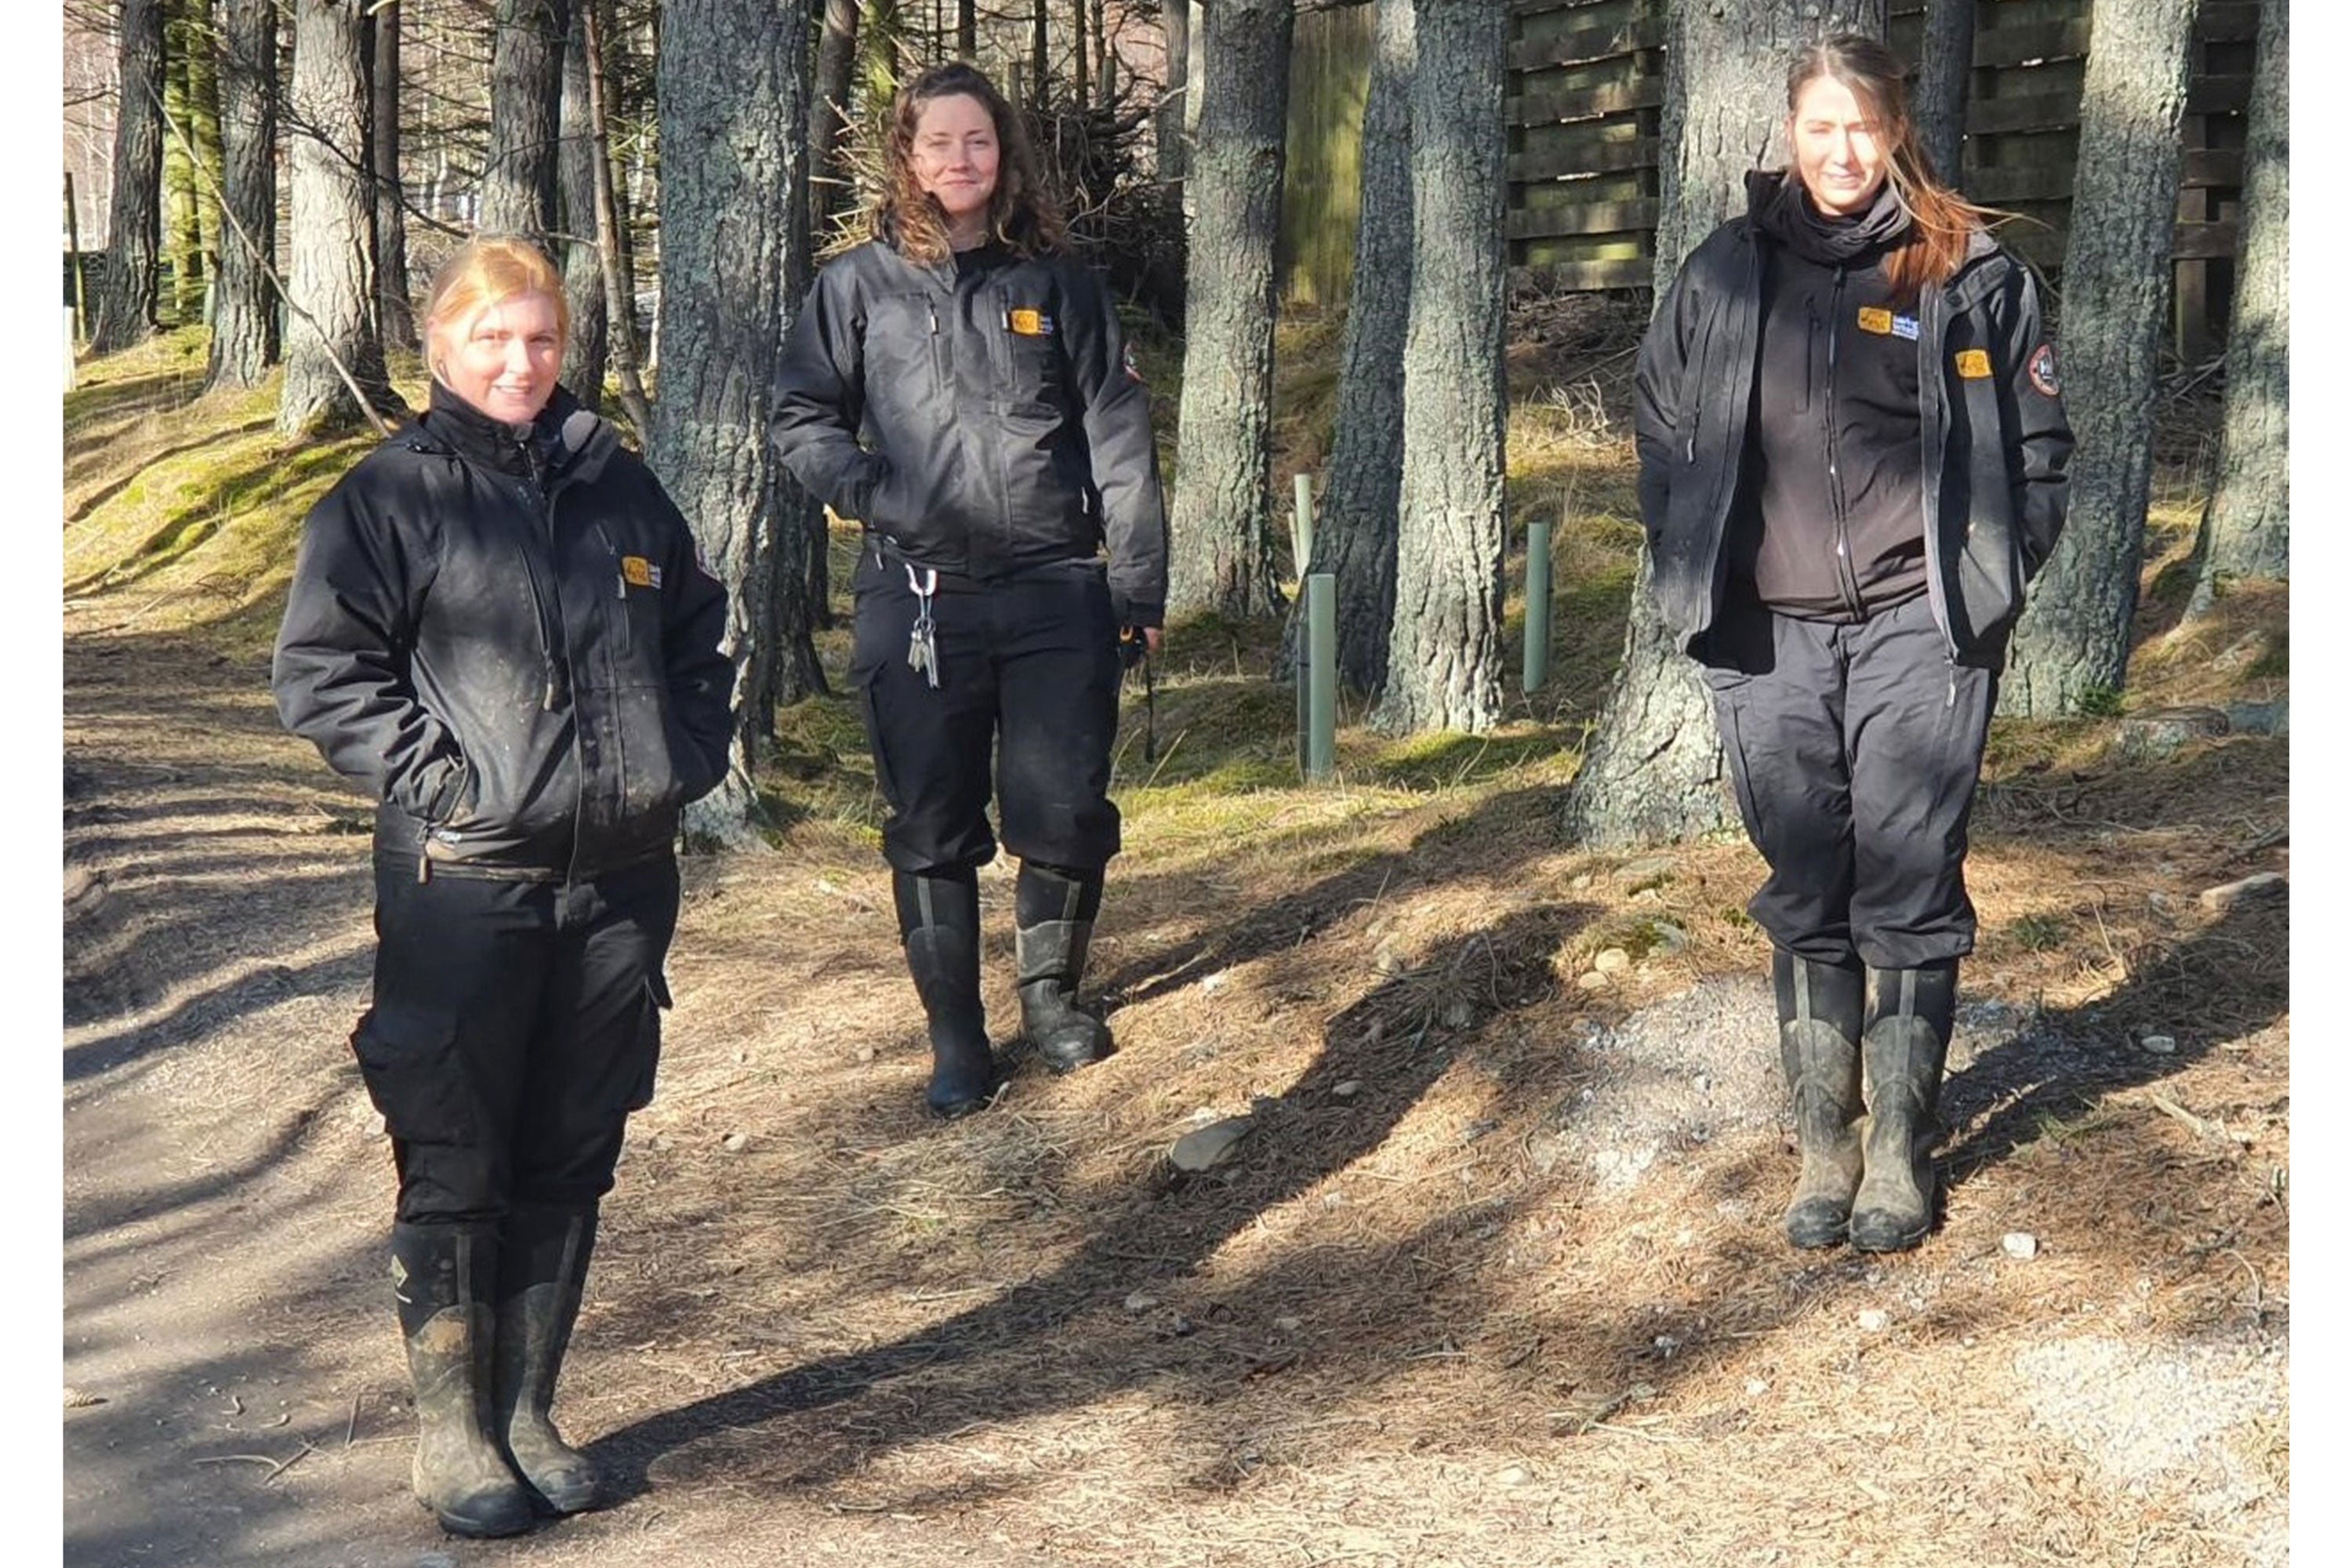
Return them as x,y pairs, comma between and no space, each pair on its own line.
1494,1280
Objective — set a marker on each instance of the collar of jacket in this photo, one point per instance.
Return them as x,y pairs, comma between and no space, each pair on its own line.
1779,207
571,441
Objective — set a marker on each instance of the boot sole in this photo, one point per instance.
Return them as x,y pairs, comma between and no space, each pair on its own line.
478,1528
1866,1240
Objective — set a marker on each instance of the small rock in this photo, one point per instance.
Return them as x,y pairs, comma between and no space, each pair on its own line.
661,1139
742,1056
1514,1475
1181,1326
1286,1325
865,1053
1757,1385
1581,883
1668,937
1211,1146
1665,1344
1613,961
1335,1200
2261,885
1141,1302
2158,1045
1702,1083
1873,1320
1640,1391
85,890
1214,983
1348,1090
2019,1244
77,1400
2162,732
1591,980
2258,718
1386,960
436,1559
1457,1012
736,1143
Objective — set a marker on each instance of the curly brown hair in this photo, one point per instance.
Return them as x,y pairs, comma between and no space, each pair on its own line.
1023,215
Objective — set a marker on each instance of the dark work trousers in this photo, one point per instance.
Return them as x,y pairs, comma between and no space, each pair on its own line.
514,1027
1855,751
1029,662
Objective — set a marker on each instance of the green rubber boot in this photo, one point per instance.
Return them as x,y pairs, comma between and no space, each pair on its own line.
1902,1068
1821,1056
442,1277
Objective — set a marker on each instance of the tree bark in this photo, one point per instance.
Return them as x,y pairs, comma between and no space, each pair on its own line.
395,315
1654,768
1948,37
245,314
519,170
1222,559
612,231
1356,524
2246,522
583,259
1445,657
1169,123
2074,639
966,30
837,63
184,242
732,85
329,283
126,295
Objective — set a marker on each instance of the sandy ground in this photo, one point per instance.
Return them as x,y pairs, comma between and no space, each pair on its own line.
1496,1277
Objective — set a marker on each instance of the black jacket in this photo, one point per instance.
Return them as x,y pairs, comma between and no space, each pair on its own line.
503,634
983,418
1993,437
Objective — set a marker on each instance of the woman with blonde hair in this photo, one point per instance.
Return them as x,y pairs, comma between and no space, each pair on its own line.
499,631
1852,459
959,385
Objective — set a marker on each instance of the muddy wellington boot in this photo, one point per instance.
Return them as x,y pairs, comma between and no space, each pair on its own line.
939,918
1820,1056
1903,1071
1054,910
443,1276
542,1263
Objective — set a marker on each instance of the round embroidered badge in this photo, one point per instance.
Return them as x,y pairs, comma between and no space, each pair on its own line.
2043,369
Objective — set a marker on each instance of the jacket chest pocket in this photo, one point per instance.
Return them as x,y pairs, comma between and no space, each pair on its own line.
632,608
902,334
1029,357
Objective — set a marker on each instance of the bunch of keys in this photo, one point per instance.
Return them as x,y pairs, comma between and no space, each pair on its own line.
923,650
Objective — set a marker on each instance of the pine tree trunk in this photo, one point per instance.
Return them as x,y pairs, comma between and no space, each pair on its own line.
331,218
2246,524
1168,122
966,30
1653,769
126,294
183,230
395,316
732,78
245,315
2074,639
1948,38
836,62
519,170
584,262
1446,651
1356,521
1221,557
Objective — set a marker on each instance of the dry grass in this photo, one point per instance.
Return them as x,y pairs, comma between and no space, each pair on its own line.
1408,1326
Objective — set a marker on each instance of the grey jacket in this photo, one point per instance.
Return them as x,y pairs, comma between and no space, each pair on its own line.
984,419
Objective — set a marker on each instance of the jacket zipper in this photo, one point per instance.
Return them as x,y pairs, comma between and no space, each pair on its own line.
1847,584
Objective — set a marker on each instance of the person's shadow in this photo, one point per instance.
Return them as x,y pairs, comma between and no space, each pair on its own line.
1378,1057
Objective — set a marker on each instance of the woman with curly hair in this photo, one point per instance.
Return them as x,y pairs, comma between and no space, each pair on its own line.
959,383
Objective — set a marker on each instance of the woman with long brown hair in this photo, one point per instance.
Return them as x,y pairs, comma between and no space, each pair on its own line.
959,385
1852,460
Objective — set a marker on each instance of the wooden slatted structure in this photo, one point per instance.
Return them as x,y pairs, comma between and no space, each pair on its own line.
1588,79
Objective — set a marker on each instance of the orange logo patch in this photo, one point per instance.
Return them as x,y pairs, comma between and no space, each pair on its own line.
1974,364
